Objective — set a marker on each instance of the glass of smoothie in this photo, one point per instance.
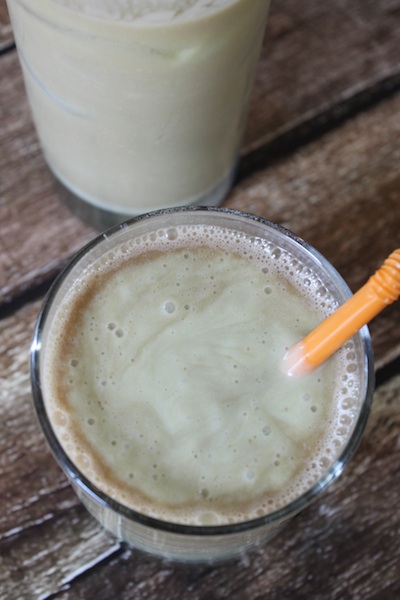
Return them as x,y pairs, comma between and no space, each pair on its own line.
139,104
157,379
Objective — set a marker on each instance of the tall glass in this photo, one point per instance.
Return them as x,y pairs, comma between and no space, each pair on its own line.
139,108
185,541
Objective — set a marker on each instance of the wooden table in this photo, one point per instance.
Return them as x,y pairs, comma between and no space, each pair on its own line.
321,156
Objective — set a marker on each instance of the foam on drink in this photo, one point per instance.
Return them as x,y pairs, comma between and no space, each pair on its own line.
162,376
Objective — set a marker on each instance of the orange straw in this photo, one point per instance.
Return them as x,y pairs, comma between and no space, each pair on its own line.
381,289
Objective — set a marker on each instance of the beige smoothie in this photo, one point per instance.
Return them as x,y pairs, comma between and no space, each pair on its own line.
162,376
140,104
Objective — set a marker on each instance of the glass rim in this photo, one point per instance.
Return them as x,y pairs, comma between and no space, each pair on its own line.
84,484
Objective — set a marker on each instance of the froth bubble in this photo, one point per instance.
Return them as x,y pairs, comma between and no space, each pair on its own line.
342,431
60,418
82,460
345,420
172,233
348,403
169,307
208,518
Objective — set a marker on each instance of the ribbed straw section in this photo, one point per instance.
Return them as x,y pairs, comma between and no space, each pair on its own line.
386,281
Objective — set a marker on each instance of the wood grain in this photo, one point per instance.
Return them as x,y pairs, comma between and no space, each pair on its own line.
316,56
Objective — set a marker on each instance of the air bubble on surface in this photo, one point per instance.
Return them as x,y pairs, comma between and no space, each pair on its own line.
172,233
169,307
249,475
60,418
348,403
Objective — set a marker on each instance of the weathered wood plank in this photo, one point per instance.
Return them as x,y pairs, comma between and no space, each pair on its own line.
317,55
346,42
39,561
343,546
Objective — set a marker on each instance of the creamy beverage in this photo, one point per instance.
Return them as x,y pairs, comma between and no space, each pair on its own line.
140,104
162,379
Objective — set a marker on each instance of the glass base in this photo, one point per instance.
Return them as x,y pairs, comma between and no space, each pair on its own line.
101,218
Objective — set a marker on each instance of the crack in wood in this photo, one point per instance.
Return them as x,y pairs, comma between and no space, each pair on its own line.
84,570
8,47
387,372
317,125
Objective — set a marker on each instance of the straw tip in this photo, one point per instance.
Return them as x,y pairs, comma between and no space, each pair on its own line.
295,361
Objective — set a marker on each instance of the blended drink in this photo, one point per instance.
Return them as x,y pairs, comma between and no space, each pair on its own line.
162,375
140,104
